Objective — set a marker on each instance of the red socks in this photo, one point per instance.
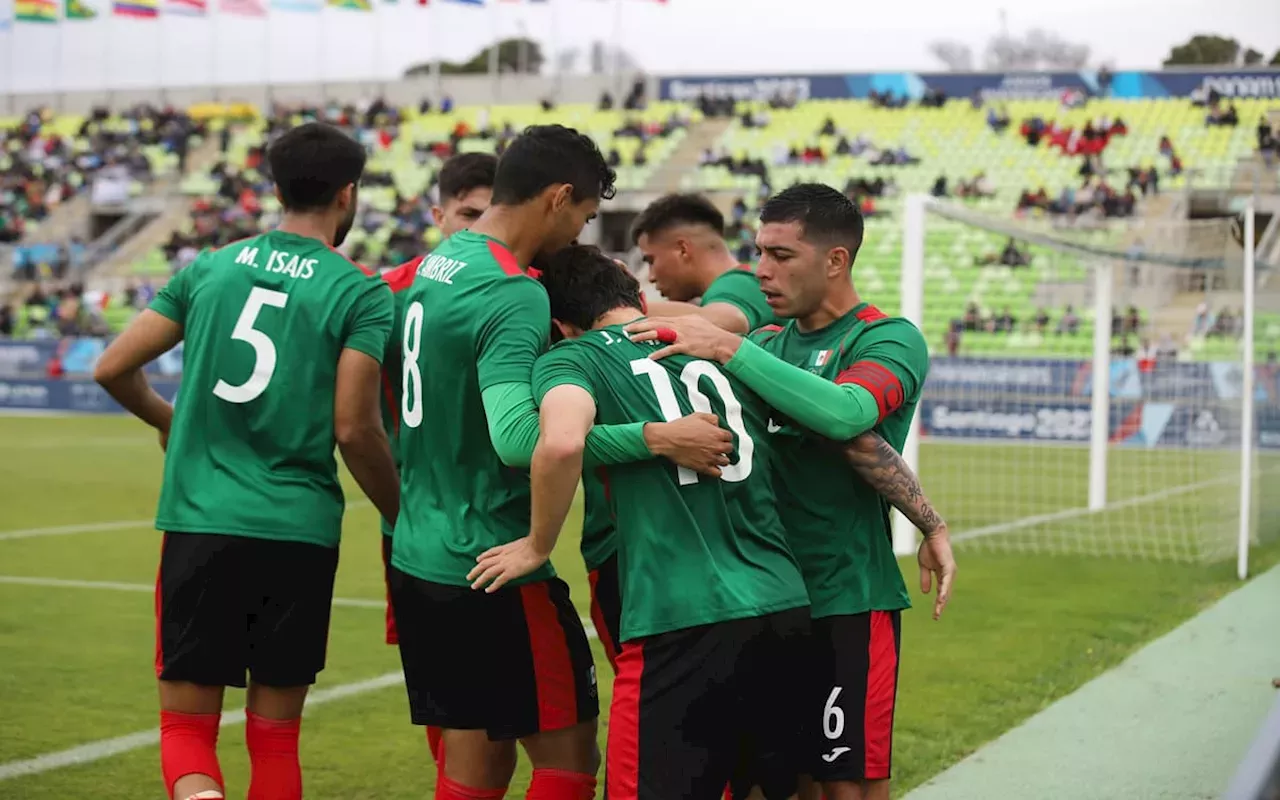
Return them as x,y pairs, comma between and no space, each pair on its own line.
188,746
452,790
560,784
435,741
273,757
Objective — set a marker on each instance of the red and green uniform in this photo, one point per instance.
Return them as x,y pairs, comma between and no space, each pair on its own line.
838,526
399,279
741,288
719,540
251,449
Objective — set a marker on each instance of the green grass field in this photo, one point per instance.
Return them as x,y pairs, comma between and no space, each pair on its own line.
1023,629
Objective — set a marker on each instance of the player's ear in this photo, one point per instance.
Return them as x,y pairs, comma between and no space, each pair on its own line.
347,196
437,215
562,197
839,261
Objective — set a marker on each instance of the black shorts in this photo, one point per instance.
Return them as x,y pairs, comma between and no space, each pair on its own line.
606,607
392,636
854,680
227,605
691,706
514,663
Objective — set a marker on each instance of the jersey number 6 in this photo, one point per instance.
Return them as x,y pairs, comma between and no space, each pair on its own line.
264,350
670,408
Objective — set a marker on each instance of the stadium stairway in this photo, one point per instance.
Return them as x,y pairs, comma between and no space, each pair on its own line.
68,220
177,210
684,159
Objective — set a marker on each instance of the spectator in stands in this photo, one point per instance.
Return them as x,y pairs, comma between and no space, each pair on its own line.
940,187
1041,320
1070,322
1267,141
828,127
606,101
972,317
6,319
1226,117
1166,146
954,331
997,119
1006,322
1132,320
933,98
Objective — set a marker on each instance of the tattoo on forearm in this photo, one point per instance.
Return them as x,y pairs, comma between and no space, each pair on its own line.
884,470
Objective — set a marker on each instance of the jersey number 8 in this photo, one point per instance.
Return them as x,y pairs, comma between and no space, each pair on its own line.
264,350
670,408
411,381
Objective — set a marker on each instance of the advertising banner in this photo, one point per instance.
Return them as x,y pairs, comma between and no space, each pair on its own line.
1260,82
80,396
78,356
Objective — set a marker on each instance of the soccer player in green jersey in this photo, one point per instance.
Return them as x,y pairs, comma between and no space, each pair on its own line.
713,603
465,186
491,669
839,368
681,237
283,342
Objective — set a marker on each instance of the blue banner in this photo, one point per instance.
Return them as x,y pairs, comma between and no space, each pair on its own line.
78,356
67,396
1263,82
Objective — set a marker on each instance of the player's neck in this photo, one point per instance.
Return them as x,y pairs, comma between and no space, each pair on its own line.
308,225
839,301
618,316
716,263
515,226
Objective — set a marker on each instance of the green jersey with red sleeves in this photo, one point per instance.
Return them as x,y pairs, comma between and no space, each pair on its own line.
473,319
692,550
838,525
251,449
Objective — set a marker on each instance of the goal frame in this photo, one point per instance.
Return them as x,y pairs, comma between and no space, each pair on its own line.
917,210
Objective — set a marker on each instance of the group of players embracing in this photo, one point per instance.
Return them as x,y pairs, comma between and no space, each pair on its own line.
739,459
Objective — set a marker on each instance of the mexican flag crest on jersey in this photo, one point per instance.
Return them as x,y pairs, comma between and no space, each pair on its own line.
820,358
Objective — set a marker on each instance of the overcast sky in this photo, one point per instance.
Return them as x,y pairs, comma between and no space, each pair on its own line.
683,36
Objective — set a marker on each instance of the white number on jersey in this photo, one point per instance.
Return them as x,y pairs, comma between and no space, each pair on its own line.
264,350
411,383
670,408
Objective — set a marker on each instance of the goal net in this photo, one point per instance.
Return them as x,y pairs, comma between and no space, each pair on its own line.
1103,390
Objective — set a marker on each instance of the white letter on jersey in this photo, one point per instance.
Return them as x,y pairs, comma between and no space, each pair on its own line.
248,256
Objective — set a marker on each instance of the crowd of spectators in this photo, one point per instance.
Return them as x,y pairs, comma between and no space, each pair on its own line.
44,166
67,309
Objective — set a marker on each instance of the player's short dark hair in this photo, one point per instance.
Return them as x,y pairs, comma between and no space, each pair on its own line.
544,155
824,213
465,172
677,209
584,284
311,163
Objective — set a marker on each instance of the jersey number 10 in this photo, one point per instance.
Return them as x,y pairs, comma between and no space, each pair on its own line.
670,408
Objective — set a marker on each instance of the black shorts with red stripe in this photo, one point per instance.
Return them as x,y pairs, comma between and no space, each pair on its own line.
854,677
606,607
691,707
392,636
227,606
514,663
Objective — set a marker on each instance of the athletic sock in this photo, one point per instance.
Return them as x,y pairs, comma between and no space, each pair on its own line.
188,746
452,790
561,784
435,741
208,794
275,773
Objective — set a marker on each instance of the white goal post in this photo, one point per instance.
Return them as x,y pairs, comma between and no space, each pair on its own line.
1068,435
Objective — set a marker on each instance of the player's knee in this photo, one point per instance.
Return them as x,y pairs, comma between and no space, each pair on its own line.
572,749
476,761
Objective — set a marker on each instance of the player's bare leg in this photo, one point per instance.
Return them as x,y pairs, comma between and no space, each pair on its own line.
273,723
476,761
856,790
808,789
565,762
189,717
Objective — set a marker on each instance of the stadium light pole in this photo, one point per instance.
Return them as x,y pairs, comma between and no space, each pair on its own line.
1100,407
912,308
1246,398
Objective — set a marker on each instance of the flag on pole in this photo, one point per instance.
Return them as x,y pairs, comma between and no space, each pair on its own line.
350,5
44,11
138,9
303,6
186,8
242,8
79,9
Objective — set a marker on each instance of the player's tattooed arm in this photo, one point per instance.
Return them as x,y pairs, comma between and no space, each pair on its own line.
885,470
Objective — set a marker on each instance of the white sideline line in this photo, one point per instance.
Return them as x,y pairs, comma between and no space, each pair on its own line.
63,583
114,525
1072,513
105,748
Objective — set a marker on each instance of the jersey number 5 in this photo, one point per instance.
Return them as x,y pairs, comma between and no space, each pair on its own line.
670,408
264,350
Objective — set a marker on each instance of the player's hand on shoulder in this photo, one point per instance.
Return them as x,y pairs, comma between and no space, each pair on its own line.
696,441
690,335
500,565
